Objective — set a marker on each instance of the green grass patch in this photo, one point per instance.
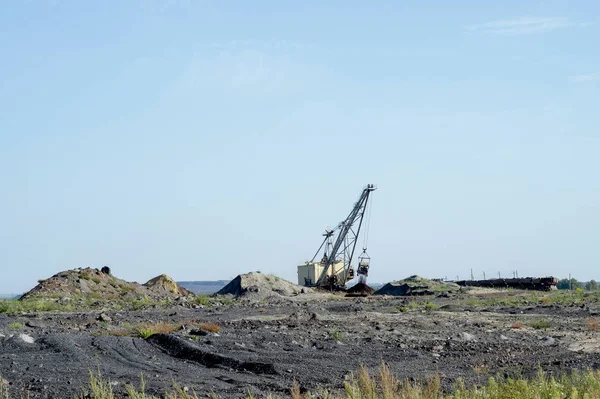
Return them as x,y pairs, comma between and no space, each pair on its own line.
201,299
540,324
145,332
15,325
337,335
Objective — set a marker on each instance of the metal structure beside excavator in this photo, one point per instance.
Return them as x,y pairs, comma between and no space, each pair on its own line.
335,269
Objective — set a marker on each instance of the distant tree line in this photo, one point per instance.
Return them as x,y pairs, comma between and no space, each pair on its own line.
573,284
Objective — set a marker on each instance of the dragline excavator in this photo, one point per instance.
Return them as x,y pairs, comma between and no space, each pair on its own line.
335,269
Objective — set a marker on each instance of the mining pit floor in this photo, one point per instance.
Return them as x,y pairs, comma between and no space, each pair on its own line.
263,347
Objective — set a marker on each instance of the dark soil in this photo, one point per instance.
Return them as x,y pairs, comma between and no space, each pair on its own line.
264,347
360,289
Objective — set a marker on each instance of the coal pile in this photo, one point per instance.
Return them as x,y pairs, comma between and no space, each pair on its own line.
360,289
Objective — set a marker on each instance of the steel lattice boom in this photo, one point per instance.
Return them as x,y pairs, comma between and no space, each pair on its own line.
345,243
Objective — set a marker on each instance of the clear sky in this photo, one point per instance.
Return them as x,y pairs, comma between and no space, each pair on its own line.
204,139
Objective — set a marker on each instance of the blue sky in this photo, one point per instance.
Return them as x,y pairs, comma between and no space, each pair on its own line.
204,139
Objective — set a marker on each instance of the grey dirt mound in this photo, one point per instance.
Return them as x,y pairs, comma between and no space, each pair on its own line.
94,283
257,286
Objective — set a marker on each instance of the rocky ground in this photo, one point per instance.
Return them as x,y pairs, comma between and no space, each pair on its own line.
315,339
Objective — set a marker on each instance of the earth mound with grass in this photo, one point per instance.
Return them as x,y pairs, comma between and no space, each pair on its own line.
92,283
167,285
416,285
257,286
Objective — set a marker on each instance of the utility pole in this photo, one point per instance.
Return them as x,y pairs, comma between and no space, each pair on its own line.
484,275
570,283
516,271
499,275
472,274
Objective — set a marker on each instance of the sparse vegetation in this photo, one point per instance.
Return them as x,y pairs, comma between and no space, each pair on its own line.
15,325
337,335
145,332
593,324
96,280
540,324
210,327
385,385
516,298
31,306
203,300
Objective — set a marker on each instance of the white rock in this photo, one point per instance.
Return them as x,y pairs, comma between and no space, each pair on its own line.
27,338
467,337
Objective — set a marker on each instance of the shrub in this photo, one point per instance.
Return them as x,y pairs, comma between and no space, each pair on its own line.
96,280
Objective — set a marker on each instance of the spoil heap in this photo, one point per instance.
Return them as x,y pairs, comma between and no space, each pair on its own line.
167,285
258,286
360,289
416,285
93,283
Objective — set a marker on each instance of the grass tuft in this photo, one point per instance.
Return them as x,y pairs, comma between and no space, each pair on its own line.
15,325
593,324
210,327
203,300
337,335
145,333
540,324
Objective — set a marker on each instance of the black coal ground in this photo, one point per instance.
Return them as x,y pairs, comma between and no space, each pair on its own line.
264,350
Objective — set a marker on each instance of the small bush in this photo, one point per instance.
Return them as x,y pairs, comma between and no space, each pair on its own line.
402,309
96,280
84,276
210,327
